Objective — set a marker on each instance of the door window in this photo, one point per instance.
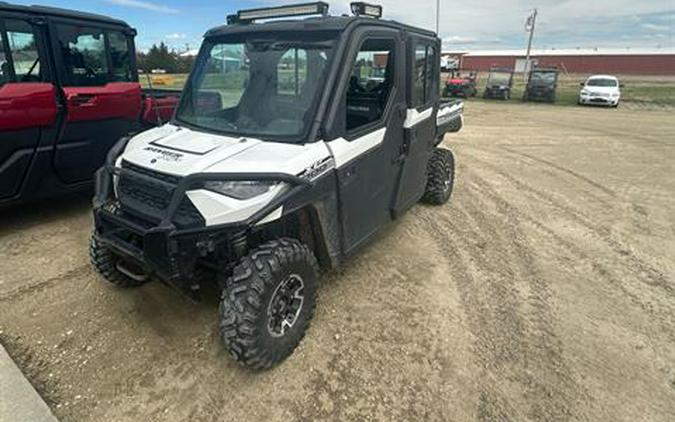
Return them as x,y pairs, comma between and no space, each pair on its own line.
370,83
4,63
86,60
120,57
425,74
19,57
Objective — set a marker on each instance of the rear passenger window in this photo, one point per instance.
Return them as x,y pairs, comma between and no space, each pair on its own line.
4,64
419,76
83,54
120,57
19,57
425,75
85,59
370,83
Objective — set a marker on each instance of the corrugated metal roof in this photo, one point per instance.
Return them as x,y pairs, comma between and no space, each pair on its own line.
569,52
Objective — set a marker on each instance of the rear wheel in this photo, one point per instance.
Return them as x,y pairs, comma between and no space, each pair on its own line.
440,177
268,302
111,267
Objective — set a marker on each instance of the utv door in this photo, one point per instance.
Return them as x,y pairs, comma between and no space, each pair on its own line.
101,91
28,107
420,123
369,117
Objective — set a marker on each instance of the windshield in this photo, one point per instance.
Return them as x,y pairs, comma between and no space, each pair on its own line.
543,78
258,87
601,82
499,78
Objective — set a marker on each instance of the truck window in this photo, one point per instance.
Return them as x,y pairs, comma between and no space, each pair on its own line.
433,73
370,83
23,51
120,57
426,77
419,76
4,64
83,53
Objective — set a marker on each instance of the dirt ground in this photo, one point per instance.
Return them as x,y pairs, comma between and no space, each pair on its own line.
544,291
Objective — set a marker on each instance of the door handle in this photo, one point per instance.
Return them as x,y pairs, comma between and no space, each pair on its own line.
82,100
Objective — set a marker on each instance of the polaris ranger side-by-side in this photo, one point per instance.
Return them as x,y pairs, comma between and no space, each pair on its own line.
68,91
499,84
284,156
541,85
461,86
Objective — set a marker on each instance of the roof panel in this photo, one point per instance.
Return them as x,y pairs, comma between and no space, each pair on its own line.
55,11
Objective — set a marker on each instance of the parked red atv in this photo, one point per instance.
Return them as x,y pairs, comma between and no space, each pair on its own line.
461,86
68,91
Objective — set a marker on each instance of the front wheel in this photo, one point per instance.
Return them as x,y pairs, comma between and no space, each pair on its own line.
440,177
111,267
268,302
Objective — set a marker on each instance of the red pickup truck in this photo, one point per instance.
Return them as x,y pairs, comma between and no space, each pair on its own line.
68,91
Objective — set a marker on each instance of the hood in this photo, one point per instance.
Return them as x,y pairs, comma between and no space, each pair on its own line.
182,151
458,81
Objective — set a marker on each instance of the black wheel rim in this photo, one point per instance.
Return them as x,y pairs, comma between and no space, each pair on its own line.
285,305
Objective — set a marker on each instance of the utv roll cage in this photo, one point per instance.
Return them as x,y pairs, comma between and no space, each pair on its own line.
296,10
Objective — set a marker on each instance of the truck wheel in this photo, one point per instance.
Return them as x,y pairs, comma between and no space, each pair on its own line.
440,177
268,302
106,264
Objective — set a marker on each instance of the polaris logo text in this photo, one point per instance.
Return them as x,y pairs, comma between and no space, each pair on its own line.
164,154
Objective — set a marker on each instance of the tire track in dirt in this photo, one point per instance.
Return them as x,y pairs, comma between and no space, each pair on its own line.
20,292
561,169
653,303
642,270
508,305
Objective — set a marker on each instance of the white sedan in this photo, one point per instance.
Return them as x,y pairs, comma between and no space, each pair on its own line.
600,90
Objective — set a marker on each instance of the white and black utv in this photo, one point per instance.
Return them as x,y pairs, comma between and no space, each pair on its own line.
284,156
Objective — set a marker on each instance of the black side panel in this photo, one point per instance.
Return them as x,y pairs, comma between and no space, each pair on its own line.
16,150
367,182
79,155
420,135
366,187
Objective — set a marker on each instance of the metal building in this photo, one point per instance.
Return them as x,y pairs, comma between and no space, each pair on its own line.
655,61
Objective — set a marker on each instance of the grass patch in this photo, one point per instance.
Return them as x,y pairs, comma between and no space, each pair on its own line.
651,90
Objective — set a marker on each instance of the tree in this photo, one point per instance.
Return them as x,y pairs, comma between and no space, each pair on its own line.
159,57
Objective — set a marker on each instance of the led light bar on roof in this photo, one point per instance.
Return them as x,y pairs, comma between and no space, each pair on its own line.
305,9
365,9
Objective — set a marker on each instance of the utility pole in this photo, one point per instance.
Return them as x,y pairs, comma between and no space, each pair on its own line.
438,16
529,26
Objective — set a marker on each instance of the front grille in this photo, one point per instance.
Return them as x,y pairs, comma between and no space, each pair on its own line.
149,197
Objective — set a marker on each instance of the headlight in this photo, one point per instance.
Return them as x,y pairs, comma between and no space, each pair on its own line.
585,92
615,94
241,190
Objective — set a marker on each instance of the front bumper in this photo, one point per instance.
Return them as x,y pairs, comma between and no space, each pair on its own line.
456,90
540,94
598,100
161,245
496,92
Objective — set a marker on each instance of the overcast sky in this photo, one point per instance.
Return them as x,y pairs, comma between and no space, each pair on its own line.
464,25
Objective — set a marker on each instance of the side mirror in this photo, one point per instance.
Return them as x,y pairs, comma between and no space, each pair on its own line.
621,85
581,84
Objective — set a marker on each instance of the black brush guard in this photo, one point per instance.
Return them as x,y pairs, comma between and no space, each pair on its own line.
165,249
